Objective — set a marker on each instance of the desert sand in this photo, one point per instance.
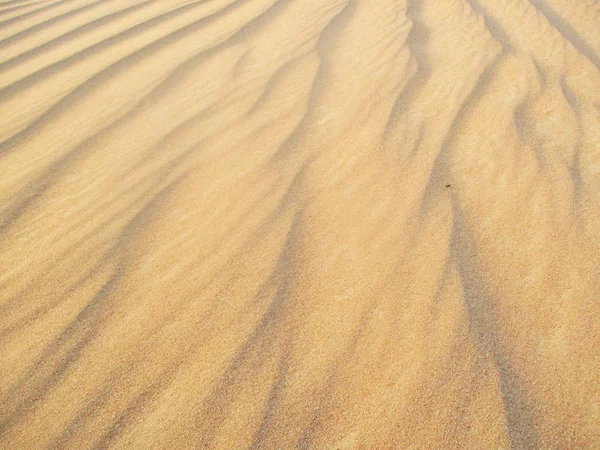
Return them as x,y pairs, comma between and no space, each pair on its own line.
278,224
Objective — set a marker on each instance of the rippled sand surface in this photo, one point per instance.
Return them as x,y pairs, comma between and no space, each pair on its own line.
278,224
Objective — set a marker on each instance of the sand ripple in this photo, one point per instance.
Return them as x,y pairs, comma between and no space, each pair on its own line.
299,224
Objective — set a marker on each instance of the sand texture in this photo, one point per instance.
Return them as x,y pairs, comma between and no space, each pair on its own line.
299,224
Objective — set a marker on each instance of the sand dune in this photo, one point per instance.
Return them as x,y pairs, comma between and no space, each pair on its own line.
300,224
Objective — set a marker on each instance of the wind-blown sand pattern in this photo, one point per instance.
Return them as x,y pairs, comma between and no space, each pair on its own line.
300,224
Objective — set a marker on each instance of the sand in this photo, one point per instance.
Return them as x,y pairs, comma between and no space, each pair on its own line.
327,224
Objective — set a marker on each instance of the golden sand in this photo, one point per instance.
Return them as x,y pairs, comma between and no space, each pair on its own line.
326,224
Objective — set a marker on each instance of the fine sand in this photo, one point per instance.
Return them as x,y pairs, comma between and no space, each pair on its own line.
279,224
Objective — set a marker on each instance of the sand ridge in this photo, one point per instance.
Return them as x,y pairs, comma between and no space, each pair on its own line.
285,224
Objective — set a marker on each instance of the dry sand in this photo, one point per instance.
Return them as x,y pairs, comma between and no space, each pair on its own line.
282,224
